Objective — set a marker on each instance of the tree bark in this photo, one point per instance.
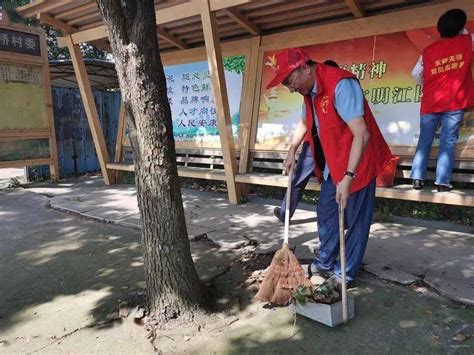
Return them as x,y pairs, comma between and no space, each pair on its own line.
173,287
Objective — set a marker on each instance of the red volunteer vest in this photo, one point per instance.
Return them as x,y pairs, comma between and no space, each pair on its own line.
447,77
336,137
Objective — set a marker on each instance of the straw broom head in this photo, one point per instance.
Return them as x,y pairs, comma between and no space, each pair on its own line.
282,278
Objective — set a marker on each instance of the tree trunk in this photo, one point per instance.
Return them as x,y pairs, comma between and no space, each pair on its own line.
173,287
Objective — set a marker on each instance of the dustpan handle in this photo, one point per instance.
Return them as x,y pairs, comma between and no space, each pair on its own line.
342,254
287,207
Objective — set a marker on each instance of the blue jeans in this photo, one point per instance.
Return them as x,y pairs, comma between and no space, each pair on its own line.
358,218
450,124
304,169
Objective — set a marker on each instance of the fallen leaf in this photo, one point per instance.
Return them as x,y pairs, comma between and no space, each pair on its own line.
459,337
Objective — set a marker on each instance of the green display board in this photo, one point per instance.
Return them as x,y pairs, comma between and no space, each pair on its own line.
24,149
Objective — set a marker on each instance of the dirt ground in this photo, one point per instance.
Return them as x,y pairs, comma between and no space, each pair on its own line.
63,278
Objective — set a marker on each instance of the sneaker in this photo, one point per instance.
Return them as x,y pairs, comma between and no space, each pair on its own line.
277,213
418,184
314,271
444,188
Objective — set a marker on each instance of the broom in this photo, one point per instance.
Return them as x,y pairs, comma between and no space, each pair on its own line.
342,256
285,273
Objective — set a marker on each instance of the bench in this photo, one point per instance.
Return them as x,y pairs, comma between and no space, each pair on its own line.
266,168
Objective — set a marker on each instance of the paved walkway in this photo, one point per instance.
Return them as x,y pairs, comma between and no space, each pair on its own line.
405,250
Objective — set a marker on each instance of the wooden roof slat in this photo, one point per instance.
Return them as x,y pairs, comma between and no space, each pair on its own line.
87,17
260,4
302,21
57,10
243,21
289,7
316,14
195,25
39,6
77,10
90,25
198,27
409,17
180,22
389,4
229,26
356,8
165,15
227,35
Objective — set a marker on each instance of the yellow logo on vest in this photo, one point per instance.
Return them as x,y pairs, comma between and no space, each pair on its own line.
324,104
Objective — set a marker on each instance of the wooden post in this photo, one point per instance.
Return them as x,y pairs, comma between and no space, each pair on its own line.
216,68
256,98
122,123
247,103
90,108
48,99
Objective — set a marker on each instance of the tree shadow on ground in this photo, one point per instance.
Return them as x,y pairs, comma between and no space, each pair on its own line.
74,272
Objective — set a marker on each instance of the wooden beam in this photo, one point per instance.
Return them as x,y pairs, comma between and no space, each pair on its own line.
247,103
244,22
122,124
168,37
67,29
24,133
199,54
356,8
216,68
256,99
60,25
48,99
121,167
190,172
25,163
90,35
90,108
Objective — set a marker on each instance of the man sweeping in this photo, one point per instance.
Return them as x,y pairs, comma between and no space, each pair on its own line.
349,152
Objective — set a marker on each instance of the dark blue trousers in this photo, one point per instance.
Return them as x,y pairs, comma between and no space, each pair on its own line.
304,169
358,218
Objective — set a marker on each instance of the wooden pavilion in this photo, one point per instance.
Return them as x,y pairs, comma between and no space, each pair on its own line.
196,30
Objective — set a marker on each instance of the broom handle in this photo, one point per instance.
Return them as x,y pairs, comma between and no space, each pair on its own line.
342,252
287,207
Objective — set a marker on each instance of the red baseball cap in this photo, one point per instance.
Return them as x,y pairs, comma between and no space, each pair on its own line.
285,62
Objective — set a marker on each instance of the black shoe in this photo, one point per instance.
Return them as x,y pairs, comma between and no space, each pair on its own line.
418,184
277,213
444,188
